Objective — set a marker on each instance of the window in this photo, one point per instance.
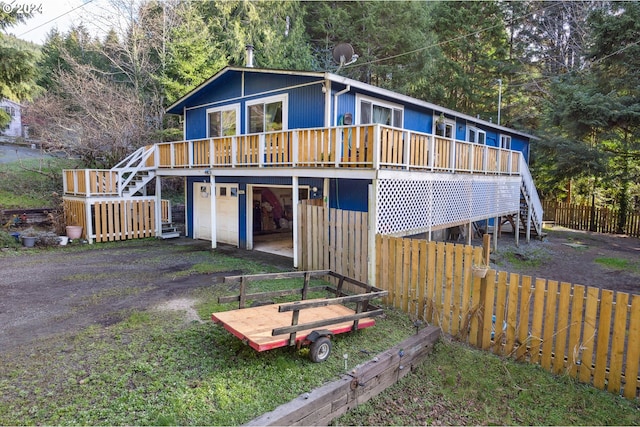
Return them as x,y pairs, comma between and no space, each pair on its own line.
267,114
374,111
444,129
505,142
223,121
476,136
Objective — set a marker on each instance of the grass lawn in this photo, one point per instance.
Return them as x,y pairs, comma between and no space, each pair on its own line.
458,385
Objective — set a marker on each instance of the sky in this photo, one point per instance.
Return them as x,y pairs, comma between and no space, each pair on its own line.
60,14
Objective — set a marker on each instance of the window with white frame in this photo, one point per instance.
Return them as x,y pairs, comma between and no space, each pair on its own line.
443,127
223,121
371,110
476,136
267,114
505,142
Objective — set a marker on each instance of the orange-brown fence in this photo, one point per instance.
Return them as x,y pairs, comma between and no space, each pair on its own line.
592,218
113,220
123,219
588,333
333,239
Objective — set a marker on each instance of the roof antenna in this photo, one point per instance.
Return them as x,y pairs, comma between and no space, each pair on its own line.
343,55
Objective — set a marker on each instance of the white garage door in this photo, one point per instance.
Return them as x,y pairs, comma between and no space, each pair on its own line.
227,211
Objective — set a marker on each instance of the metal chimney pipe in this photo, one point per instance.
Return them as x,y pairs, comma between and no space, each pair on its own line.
249,63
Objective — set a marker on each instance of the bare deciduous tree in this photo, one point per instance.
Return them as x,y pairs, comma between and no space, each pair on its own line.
91,117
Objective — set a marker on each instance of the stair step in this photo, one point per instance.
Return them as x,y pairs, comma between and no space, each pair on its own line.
169,235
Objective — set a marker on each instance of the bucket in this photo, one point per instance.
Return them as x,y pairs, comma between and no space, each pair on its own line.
28,241
74,231
63,240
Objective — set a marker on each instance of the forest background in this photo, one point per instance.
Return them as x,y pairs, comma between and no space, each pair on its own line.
565,71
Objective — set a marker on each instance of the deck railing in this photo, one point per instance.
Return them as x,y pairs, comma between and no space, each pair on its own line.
361,146
370,146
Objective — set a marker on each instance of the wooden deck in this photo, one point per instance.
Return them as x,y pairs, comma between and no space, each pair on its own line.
255,324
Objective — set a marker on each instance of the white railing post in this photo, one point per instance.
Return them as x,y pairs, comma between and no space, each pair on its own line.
338,145
190,154
294,150
472,153
485,159
234,151
87,184
376,147
452,153
212,153
87,222
499,162
432,154
172,155
407,149
261,149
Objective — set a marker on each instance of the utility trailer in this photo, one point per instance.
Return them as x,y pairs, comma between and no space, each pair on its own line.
312,322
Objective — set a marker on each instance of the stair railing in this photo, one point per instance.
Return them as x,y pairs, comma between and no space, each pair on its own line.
531,195
131,165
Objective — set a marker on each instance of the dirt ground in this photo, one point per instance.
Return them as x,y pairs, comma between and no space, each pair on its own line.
48,292
54,291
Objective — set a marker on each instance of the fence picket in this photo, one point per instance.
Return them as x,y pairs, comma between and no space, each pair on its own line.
563,325
500,304
522,330
633,350
604,329
549,324
512,312
617,342
589,334
575,330
538,313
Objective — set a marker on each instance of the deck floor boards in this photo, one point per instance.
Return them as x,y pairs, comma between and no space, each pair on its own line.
255,324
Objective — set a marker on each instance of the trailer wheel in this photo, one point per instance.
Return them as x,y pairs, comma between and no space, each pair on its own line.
320,349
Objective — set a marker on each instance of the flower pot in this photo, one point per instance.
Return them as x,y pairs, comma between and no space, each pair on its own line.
63,240
479,271
74,231
28,241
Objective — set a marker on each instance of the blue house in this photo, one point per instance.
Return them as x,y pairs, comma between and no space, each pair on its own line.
257,142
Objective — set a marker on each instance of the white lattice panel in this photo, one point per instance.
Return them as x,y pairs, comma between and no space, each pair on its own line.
437,201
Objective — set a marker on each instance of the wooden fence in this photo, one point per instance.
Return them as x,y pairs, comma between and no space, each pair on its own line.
113,220
588,333
587,217
333,239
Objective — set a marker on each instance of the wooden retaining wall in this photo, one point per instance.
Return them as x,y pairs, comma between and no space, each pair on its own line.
320,406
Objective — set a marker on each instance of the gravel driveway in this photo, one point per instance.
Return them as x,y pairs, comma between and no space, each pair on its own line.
54,291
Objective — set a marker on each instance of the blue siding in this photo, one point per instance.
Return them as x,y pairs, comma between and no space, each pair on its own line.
196,124
420,121
260,83
306,105
227,86
349,194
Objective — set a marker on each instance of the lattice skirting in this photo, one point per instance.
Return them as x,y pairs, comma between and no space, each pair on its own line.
439,200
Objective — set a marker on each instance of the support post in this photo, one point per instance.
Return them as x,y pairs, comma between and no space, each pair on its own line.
496,226
294,206
214,225
373,219
158,210
517,230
